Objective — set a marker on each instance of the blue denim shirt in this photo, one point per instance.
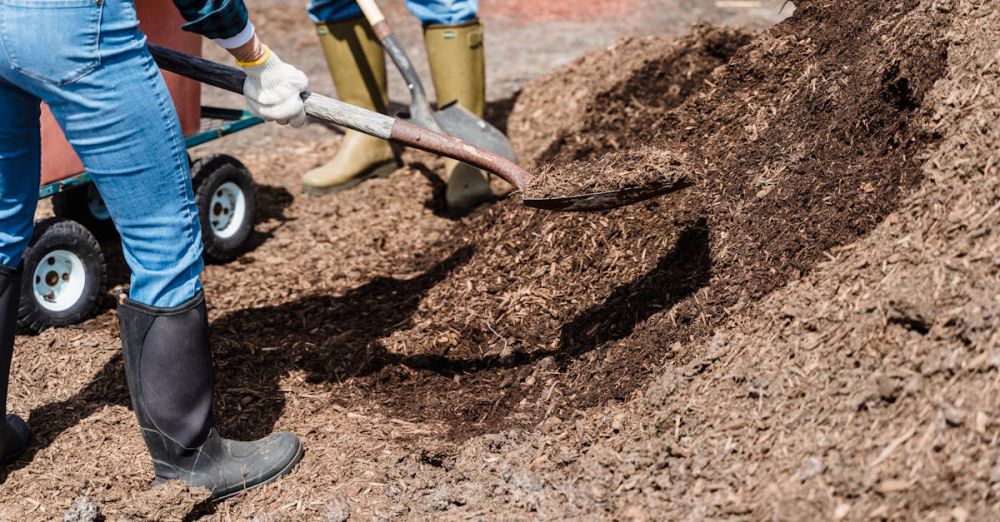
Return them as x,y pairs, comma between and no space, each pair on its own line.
213,18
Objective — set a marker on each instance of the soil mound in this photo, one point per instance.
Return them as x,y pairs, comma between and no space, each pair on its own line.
605,101
615,171
866,390
805,141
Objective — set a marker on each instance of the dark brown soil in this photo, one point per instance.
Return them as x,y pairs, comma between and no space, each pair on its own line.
614,99
617,171
864,390
611,297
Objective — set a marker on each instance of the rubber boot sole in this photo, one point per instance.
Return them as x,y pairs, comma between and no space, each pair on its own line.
382,171
157,482
284,471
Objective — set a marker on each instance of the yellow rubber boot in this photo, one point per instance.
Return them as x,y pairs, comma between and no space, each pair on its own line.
458,68
357,64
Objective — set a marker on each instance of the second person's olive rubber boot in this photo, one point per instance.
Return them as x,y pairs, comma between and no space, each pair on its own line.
168,366
357,63
14,433
458,68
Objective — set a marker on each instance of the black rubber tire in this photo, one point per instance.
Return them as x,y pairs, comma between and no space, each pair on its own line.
74,204
209,174
62,234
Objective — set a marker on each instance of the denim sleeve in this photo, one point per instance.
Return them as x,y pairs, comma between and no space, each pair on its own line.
213,18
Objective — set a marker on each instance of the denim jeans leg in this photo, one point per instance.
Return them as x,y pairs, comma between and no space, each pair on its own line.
325,11
19,170
122,123
444,12
429,12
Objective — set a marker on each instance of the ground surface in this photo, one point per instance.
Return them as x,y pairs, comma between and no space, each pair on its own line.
808,331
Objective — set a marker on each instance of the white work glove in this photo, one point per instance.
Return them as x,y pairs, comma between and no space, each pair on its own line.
273,89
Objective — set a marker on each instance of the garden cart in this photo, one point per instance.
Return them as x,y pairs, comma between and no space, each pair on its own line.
65,271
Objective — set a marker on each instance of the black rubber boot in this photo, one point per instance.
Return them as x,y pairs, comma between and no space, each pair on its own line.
169,370
14,433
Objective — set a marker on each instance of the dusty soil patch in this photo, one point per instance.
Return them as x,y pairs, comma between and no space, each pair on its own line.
616,171
561,10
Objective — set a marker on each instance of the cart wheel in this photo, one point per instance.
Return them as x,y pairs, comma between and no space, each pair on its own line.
227,203
64,275
85,206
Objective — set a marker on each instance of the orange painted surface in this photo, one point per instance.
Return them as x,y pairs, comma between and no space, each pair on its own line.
162,25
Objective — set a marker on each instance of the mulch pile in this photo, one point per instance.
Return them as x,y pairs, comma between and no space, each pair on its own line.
609,100
805,141
864,390
415,354
613,172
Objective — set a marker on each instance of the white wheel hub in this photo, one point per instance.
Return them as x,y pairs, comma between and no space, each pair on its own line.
227,210
59,280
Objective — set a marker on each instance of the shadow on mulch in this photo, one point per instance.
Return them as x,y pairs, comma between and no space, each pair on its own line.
365,314
335,340
272,201
498,111
679,274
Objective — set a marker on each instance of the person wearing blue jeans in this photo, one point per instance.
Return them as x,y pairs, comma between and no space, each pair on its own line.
89,62
454,39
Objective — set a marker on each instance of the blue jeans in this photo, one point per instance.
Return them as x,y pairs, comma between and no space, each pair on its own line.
429,12
88,61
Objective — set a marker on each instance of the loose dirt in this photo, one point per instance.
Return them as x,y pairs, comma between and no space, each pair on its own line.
609,100
808,331
618,171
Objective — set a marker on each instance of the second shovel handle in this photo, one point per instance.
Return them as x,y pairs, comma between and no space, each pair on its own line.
372,12
420,104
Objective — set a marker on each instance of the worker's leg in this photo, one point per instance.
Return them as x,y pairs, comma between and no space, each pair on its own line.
20,163
357,64
123,125
117,113
329,11
19,170
444,12
454,40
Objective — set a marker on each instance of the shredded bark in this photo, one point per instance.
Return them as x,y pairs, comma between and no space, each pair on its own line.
612,172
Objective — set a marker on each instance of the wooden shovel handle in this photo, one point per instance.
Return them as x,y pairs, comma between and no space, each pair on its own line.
346,115
372,12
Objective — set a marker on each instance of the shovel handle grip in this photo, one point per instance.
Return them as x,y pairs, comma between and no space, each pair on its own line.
346,115
372,12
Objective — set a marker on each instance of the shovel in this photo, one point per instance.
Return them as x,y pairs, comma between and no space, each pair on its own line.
452,119
388,128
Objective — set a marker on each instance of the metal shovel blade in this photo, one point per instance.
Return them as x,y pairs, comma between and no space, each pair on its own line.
606,200
457,121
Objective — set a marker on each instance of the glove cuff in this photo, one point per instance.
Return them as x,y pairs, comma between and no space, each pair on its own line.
259,61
